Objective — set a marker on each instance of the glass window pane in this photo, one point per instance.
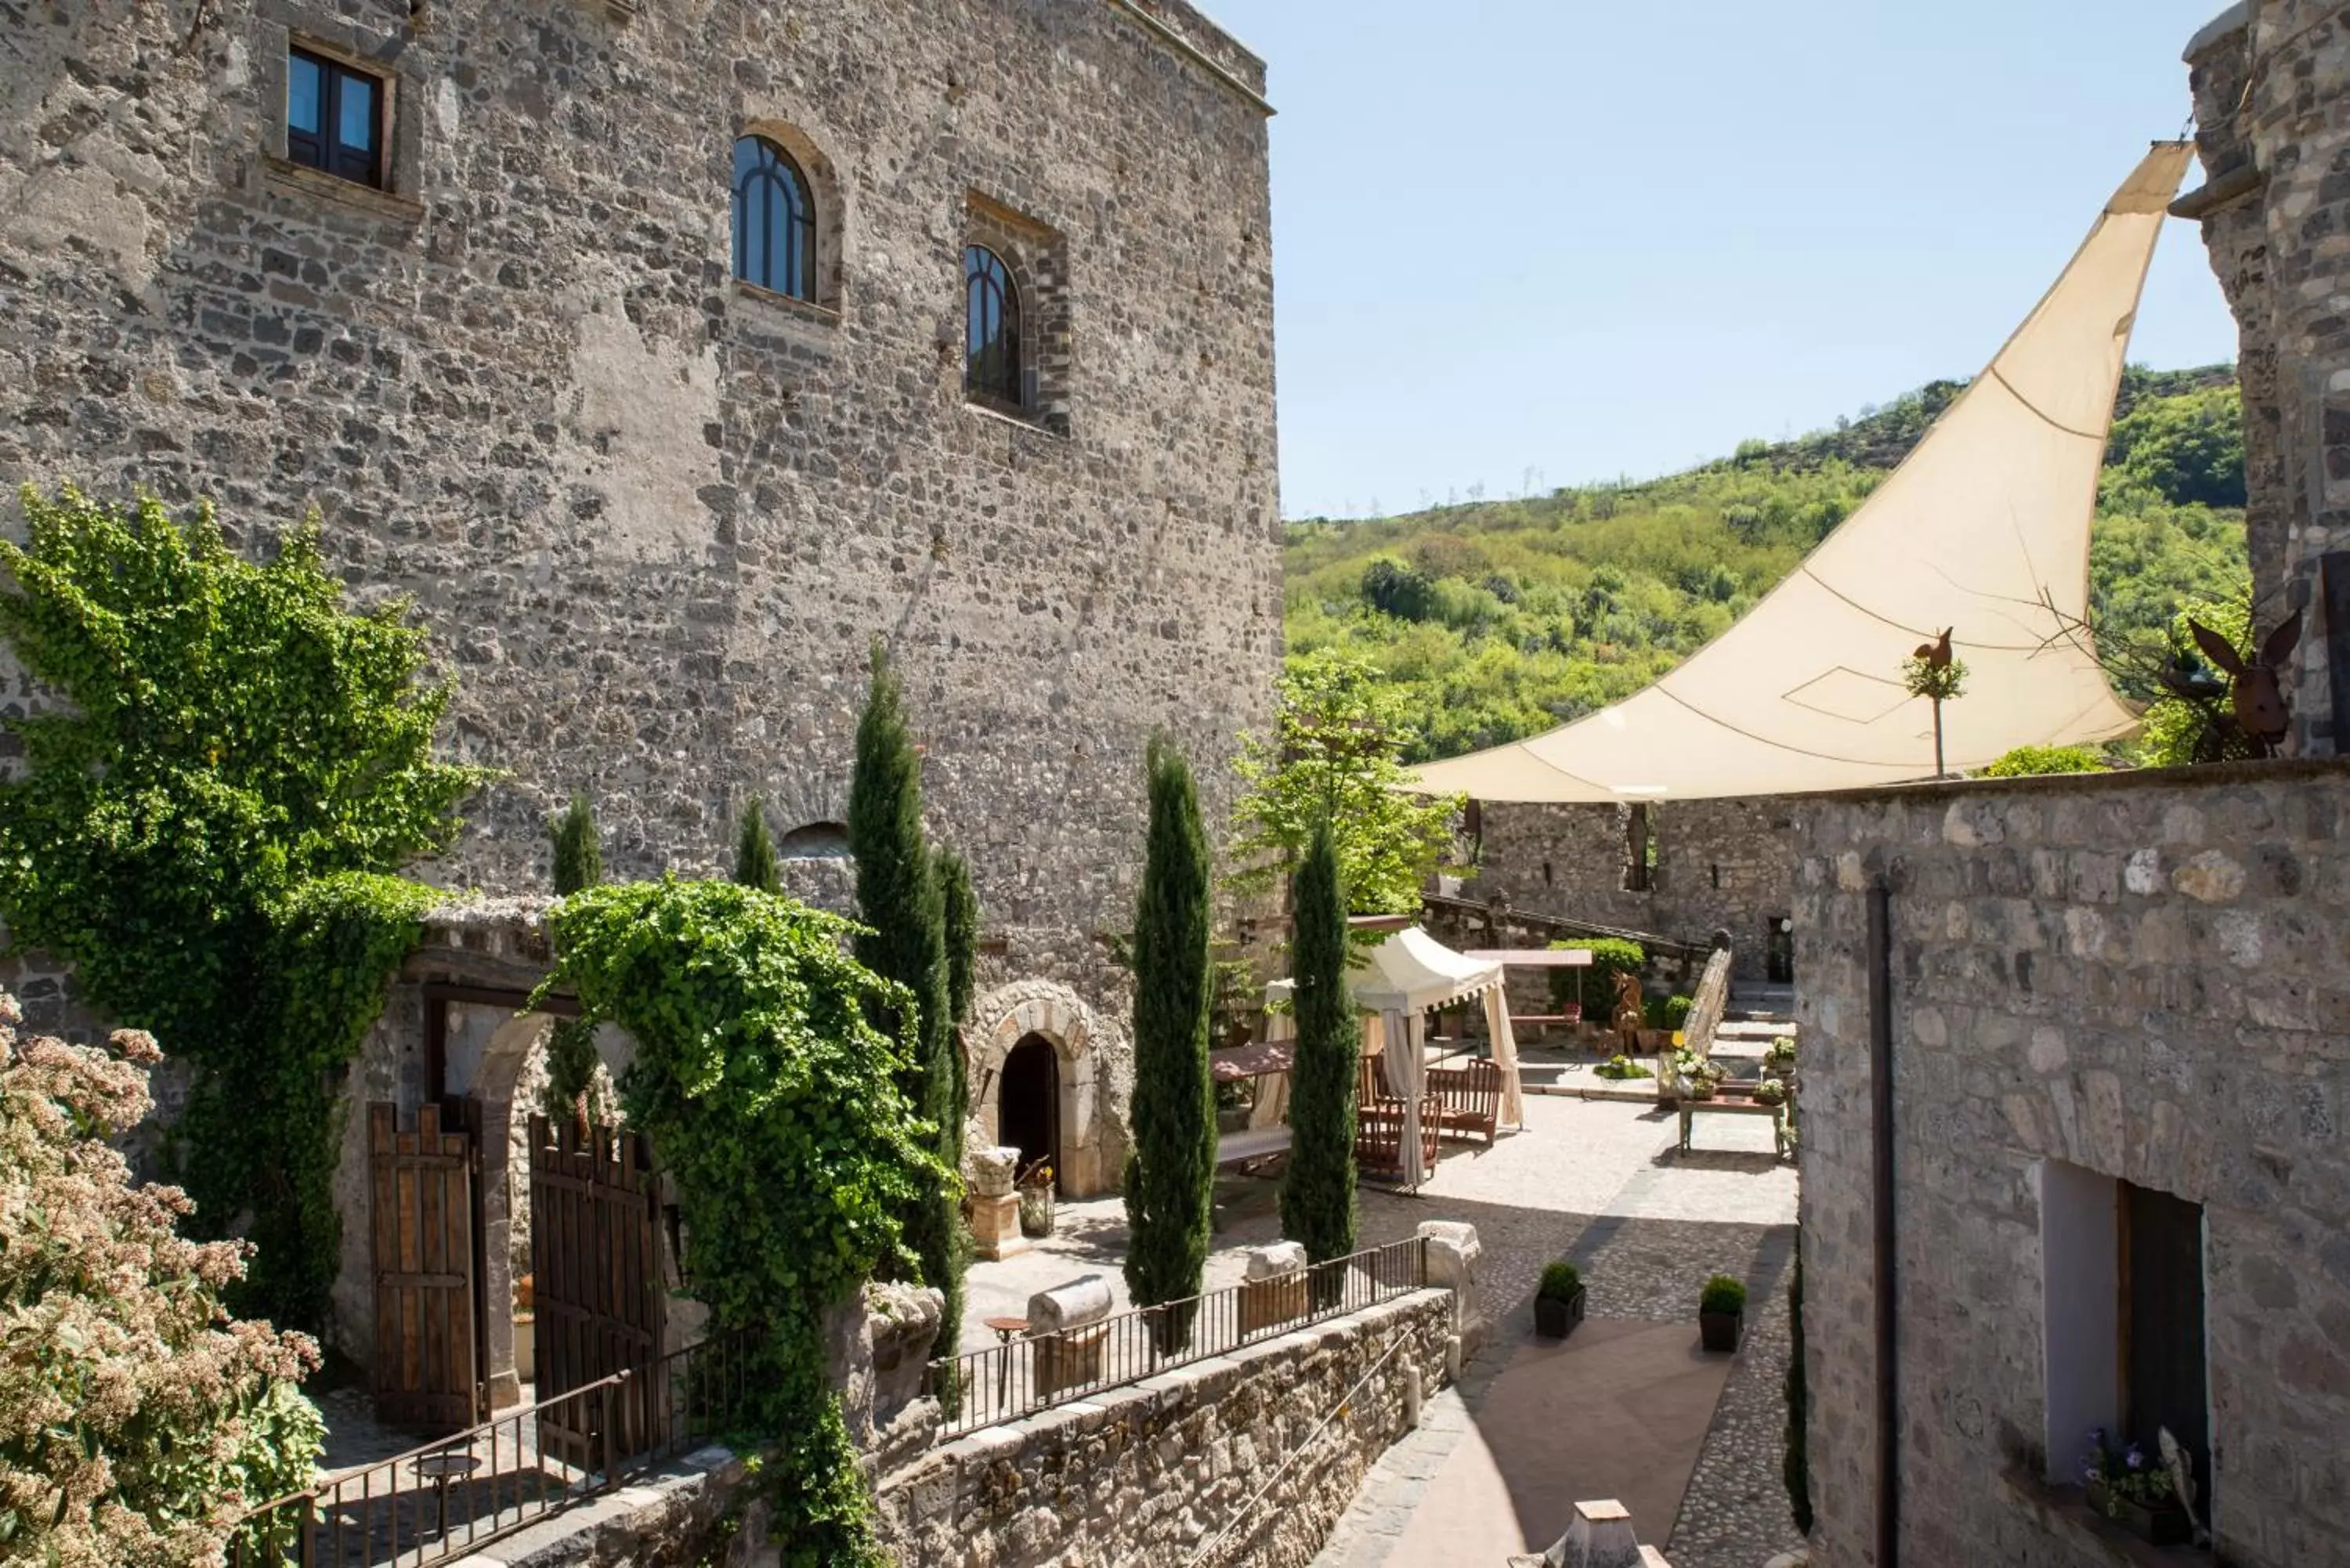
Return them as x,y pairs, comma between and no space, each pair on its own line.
304,88
355,125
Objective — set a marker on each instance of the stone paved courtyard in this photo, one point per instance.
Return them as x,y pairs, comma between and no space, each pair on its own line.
1600,1182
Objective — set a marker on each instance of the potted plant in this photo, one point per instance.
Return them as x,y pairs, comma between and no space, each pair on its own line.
1699,1077
1770,1092
2136,1490
1721,1312
1558,1301
1780,1059
1034,1186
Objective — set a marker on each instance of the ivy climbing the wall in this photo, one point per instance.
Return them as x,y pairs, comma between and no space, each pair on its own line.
774,1105
205,828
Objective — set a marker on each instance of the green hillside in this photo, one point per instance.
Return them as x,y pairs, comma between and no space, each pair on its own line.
1502,618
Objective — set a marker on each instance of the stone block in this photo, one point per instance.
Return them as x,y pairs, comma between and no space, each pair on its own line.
996,1227
989,1172
1600,1537
1082,1301
1068,1359
1273,1290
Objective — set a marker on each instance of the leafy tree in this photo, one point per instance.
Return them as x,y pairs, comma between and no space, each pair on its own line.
774,1102
755,851
1170,1172
1593,987
137,1420
1393,588
2026,761
904,941
1318,1188
2185,450
205,831
1332,756
571,1059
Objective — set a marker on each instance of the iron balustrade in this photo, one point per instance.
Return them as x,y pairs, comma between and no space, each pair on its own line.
458,1494
986,1387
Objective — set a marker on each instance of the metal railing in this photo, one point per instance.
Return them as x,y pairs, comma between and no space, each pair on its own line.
461,1493
986,1387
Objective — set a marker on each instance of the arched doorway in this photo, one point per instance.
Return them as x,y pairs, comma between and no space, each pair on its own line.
1029,1104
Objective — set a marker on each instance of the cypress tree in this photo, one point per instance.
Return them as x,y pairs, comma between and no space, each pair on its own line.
898,898
1170,1172
755,851
1317,1189
961,913
571,1045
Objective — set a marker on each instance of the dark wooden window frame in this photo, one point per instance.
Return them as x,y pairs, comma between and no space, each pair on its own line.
323,148
991,346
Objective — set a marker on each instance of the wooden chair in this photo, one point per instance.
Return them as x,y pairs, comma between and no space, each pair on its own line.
1379,1133
1470,1097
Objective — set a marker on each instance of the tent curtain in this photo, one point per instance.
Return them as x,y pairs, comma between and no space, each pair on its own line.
1505,1057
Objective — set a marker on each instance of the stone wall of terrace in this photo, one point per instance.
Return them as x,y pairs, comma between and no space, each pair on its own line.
1154,1471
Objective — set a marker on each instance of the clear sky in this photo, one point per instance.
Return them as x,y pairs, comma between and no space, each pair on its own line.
1543,242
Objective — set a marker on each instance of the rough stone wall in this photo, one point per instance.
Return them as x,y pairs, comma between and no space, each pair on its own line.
653,518
1149,1473
2140,974
1722,865
2271,81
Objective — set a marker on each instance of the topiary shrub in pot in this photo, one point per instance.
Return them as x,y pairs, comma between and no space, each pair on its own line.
1558,1301
1721,1312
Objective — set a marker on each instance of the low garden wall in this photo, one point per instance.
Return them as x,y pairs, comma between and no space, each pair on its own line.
1154,1471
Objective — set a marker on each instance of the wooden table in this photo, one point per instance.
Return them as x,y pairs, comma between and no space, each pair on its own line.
1006,1329
1691,1109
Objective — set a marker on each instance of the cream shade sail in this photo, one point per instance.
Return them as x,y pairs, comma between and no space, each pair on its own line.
1984,529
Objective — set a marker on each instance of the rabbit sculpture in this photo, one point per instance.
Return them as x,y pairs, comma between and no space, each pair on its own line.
2261,717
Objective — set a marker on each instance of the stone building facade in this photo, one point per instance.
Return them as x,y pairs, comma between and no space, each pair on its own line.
655,513
2270,80
1683,869
2120,1027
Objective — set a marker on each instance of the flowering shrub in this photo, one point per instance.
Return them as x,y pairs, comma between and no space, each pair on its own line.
137,1419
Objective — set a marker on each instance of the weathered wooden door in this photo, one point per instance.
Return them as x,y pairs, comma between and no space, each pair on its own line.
596,1282
422,1211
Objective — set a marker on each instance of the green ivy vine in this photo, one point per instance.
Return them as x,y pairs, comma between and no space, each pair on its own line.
205,828
776,1106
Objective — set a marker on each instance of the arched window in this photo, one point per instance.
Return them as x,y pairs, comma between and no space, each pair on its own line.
775,220
991,336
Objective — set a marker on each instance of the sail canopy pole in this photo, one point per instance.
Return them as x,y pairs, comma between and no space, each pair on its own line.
1983,528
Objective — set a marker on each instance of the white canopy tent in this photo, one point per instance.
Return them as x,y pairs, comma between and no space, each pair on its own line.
1397,984
1984,529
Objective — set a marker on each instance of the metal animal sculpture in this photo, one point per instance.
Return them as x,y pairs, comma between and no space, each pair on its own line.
2261,717
2176,1459
1938,652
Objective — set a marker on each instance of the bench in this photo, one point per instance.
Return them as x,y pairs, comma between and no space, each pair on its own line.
1691,1109
1470,1096
1568,1013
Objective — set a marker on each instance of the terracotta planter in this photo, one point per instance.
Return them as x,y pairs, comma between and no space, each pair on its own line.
1719,1330
1556,1319
2165,1526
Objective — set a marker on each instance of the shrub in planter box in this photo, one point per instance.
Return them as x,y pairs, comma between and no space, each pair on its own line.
1721,1312
2135,1489
1558,1301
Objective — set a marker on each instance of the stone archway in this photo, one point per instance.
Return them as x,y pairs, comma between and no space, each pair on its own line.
1087,1156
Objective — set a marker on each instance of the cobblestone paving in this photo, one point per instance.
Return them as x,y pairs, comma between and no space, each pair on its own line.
1734,1514
1646,1246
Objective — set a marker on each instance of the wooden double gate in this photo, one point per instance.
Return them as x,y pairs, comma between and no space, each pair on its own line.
596,1268
594,1211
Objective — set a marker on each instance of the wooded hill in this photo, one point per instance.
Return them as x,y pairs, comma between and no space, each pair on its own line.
1503,619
